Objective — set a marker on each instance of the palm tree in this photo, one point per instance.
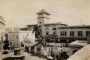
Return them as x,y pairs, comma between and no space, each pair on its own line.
38,32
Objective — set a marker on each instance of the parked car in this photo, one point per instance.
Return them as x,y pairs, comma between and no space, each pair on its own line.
14,58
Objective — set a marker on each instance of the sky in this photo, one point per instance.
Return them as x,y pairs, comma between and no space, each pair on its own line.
19,13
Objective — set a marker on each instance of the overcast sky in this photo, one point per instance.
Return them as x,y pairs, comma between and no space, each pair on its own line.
22,12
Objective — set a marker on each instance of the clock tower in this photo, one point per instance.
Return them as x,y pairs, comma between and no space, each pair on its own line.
42,15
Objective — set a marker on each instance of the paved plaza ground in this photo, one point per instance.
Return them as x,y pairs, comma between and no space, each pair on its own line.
28,56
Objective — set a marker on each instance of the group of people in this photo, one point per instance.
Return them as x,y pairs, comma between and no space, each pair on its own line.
47,51
59,53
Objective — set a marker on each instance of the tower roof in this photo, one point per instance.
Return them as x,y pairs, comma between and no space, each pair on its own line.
2,20
43,11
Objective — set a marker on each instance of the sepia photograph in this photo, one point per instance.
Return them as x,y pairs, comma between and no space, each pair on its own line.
44,29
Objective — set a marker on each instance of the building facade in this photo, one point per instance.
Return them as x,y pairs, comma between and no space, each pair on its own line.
47,28
13,36
74,32
59,30
16,36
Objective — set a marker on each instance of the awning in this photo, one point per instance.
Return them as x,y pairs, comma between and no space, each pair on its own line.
78,43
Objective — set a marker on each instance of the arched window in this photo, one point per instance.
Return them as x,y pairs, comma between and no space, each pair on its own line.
54,32
17,37
47,33
54,29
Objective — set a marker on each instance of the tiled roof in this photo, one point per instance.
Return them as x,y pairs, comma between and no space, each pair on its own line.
43,11
49,24
2,20
76,26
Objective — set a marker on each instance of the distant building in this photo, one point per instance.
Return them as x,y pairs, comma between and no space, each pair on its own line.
13,36
16,36
74,32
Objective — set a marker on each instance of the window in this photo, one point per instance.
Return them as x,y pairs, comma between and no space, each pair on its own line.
87,33
54,29
80,33
47,33
54,32
63,33
40,22
10,43
17,37
71,33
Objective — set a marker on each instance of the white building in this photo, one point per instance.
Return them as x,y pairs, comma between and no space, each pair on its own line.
16,36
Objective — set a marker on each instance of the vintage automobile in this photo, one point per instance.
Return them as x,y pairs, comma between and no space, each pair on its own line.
14,58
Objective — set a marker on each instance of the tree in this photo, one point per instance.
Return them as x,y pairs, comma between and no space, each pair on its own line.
38,32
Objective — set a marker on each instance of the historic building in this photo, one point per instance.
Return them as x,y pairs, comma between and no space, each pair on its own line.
47,28
74,32
58,30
